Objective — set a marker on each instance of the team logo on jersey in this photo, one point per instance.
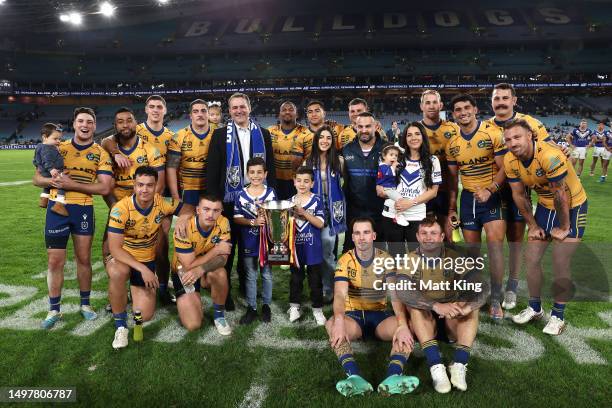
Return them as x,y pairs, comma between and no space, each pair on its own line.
539,172
91,156
338,210
215,239
351,272
233,176
158,218
447,135
262,155
140,159
130,223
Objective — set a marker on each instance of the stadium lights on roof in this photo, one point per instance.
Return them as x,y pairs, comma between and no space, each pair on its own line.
74,18
163,2
107,9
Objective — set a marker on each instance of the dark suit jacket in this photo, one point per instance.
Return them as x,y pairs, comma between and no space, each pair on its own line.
216,167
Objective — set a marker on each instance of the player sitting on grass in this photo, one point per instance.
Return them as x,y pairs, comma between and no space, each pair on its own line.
360,312
133,225
446,314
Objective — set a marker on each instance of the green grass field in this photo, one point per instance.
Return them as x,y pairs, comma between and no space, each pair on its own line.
281,364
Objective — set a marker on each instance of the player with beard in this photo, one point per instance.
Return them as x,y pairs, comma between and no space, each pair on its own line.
438,132
285,137
560,217
477,154
503,101
153,131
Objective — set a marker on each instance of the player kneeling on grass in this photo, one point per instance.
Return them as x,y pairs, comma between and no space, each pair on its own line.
442,303
133,226
360,303
560,216
202,254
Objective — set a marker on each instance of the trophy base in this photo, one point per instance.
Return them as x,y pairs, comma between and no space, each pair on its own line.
279,259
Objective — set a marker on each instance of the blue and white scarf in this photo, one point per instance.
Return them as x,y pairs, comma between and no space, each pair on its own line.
234,179
335,199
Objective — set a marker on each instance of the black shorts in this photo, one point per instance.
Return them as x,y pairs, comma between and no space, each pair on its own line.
179,290
136,276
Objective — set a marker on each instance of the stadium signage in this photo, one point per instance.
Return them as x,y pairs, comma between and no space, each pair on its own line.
498,17
17,147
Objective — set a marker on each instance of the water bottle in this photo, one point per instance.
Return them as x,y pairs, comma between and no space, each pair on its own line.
138,335
188,288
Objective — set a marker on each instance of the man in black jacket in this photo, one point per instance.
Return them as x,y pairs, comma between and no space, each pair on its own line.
361,159
226,169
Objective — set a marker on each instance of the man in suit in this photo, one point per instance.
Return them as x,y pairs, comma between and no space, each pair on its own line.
230,149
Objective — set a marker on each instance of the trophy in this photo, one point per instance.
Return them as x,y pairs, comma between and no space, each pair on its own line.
276,237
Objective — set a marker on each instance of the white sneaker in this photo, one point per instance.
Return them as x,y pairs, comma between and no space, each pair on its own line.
223,326
457,375
440,378
121,338
318,316
554,327
509,302
294,313
527,315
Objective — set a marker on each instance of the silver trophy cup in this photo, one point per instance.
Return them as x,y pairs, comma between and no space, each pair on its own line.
277,226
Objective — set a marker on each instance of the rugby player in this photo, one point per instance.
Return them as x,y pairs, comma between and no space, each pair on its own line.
477,154
153,131
133,225
359,306
438,132
560,216
315,114
580,140
285,137
355,107
448,312
605,158
503,101
202,255
87,171
597,141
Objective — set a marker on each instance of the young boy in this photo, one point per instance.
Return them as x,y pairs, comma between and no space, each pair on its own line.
249,216
50,163
309,215
386,179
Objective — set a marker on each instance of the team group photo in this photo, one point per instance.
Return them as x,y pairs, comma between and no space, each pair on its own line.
258,211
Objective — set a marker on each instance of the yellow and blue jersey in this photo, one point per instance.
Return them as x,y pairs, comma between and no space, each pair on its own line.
549,164
539,130
160,139
192,148
474,155
198,241
345,137
141,154
83,163
284,144
365,290
438,136
140,226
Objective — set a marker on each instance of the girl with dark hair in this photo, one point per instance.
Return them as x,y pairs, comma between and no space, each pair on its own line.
417,177
327,166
